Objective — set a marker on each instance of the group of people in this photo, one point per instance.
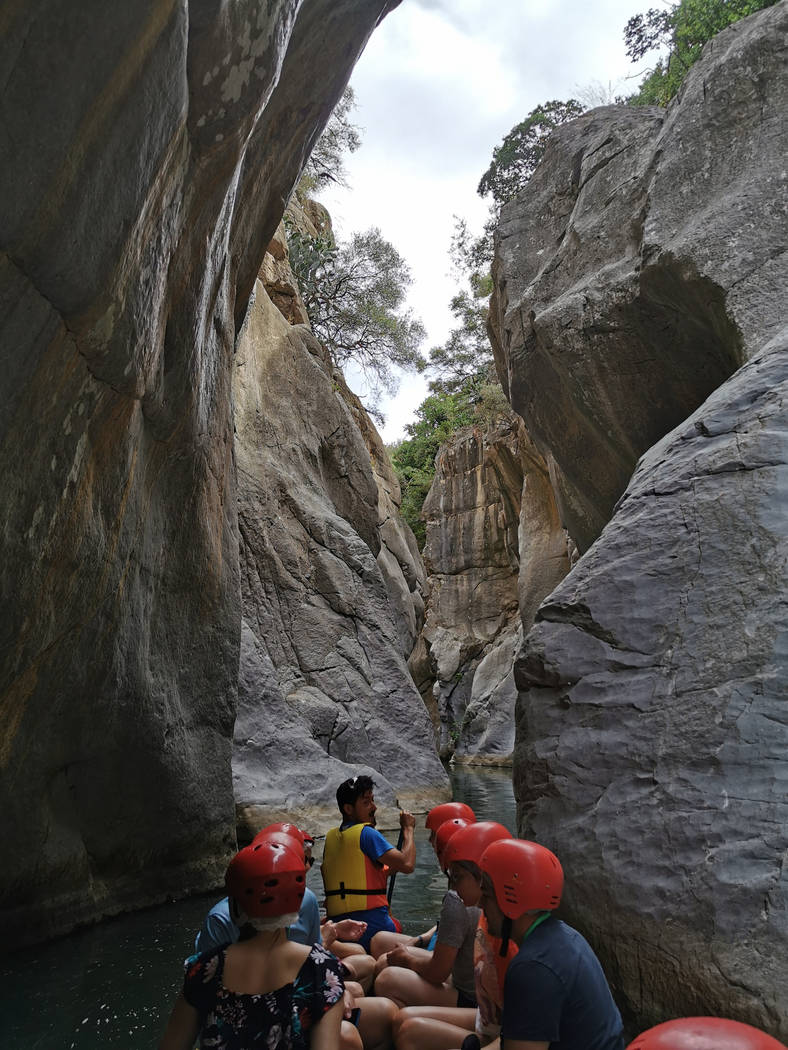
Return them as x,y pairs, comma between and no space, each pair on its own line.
498,970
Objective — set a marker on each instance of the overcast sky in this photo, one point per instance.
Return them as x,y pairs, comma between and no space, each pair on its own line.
439,85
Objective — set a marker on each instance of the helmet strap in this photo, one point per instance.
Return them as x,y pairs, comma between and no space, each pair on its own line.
506,933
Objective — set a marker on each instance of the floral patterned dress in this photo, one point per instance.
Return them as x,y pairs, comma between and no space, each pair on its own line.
278,1020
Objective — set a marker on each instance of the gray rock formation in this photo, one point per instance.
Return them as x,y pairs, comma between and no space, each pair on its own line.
325,691
653,726
630,273
147,153
652,731
490,506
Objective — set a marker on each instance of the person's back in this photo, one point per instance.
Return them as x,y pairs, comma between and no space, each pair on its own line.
555,991
267,990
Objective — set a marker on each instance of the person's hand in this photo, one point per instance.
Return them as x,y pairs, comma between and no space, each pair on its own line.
348,1005
406,820
349,929
399,956
328,931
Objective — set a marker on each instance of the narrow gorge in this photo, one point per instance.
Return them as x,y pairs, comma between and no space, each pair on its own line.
214,610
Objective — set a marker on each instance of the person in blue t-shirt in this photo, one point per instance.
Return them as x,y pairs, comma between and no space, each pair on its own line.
556,996
357,860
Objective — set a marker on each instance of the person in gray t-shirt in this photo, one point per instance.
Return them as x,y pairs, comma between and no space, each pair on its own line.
443,976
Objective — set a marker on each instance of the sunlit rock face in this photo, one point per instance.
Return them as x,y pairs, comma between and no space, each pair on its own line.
325,691
493,534
652,722
147,153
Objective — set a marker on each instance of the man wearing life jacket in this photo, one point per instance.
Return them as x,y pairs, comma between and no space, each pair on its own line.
357,860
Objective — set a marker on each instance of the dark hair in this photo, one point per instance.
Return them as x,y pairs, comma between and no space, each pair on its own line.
351,790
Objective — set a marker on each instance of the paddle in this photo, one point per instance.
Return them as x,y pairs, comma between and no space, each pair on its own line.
394,874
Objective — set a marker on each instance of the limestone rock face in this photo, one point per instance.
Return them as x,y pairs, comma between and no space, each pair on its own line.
325,691
475,512
147,153
652,726
653,723
631,273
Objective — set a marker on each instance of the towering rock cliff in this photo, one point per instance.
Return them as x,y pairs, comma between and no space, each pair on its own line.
495,547
652,730
331,584
148,149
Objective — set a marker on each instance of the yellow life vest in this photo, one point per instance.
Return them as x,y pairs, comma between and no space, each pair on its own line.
352,881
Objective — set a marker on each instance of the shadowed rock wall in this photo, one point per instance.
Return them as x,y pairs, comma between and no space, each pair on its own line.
494,549
652,725
148,149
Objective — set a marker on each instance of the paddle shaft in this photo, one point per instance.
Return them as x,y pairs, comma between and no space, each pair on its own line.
394,874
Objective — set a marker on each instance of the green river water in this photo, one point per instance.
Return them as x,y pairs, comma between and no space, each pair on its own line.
111,986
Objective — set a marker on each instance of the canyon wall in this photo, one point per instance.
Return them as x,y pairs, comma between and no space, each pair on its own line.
640,312
148,150
331,582
494,549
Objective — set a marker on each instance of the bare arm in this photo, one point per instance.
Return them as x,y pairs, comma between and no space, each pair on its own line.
404,859
183,1027
522,1044
434,966
325,1034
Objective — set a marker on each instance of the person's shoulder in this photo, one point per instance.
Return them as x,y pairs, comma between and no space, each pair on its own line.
205,966
310,900
372,839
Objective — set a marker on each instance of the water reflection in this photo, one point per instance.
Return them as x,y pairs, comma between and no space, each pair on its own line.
112,985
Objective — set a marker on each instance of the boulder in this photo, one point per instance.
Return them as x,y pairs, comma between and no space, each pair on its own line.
641,265
651,723
325,690
653,718
146,154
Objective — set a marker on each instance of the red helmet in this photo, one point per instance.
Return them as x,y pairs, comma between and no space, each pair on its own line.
286,828
447,811
470,842
525,876
267,878
704,1033
447,829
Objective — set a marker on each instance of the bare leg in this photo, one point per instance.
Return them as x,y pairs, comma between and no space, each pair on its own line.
375,1022
349,1037
362,969
425,1033
406,988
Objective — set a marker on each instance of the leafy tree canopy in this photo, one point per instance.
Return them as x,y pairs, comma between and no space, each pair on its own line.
354,293
326,162
683,29
515,160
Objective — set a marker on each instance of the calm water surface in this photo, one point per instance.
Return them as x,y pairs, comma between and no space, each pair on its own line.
112,986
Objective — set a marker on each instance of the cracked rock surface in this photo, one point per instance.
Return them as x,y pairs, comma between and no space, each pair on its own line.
147,150
494,549
325,692
652,720
640,266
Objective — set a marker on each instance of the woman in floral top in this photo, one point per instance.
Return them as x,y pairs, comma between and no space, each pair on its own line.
266,993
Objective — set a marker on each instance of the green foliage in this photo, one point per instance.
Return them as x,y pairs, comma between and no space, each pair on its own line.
683,28
340,136
466,355
438,417
515,160
354,294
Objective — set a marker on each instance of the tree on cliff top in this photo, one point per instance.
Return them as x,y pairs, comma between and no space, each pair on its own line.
515,160
683,29
354,293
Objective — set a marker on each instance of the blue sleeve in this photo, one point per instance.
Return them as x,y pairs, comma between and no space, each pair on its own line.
306,929
533,1002
217,930
373,844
